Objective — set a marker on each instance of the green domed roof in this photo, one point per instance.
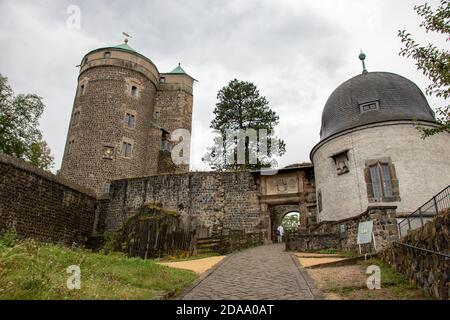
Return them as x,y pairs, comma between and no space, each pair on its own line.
125,46
122,47
178,70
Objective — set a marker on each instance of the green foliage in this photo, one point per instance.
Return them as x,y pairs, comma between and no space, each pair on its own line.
31,270
328,251
9,238
432,61
400,286
291,222
20,136
110,243
241,107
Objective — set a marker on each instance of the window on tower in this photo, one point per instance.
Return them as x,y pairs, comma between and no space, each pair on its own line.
106,187
165,142
369,106
76,118
130,120
382,184
107,55
70,146
134,91
127,149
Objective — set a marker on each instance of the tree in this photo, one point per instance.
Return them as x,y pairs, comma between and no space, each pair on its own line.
20,136
291,222
245,125
432,61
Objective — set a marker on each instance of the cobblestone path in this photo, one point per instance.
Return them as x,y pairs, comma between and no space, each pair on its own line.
266,273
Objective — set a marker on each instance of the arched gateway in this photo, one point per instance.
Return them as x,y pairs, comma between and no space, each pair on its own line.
291,189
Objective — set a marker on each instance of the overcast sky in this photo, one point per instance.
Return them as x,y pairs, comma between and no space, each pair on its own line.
296,52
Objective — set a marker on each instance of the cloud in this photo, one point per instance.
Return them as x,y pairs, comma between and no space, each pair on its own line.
296,52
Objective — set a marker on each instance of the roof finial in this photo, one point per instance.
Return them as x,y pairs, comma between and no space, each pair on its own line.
362,57
179,64
126,36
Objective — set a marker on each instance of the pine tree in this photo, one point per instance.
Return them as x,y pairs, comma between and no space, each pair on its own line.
241,108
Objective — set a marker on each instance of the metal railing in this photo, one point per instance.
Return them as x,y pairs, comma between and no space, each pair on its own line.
440,254
431,208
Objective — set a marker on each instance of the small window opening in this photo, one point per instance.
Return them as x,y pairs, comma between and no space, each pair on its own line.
369,106
107,55
130,120
106,187
76,117
70,146
134,91
127,149
165,144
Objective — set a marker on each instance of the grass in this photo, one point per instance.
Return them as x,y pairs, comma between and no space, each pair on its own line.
394,285
348,282
327,251
35,271
401,288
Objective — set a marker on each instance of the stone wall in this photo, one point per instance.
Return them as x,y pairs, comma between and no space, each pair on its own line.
427,270
342,234
40,205
228,200
312,242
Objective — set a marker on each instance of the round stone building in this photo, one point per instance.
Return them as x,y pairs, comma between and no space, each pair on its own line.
123,114
370,151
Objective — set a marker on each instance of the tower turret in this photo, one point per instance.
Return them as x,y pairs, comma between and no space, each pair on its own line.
123,110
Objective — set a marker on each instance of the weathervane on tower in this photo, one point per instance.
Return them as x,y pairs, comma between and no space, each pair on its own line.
362,57
127,36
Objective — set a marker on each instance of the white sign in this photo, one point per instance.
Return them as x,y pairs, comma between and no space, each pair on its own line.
365,232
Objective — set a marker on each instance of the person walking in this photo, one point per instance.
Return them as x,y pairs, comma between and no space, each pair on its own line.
280,233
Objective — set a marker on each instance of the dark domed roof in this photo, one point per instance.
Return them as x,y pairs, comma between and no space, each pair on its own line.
373,97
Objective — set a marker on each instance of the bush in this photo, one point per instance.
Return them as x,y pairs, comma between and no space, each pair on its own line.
9,238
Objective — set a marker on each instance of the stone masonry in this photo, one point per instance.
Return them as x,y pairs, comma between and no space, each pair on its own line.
228,200
342,234
123,101
40,205
262,273
430,271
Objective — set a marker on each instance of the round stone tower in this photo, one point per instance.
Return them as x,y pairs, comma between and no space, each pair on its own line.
370,151
117,127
